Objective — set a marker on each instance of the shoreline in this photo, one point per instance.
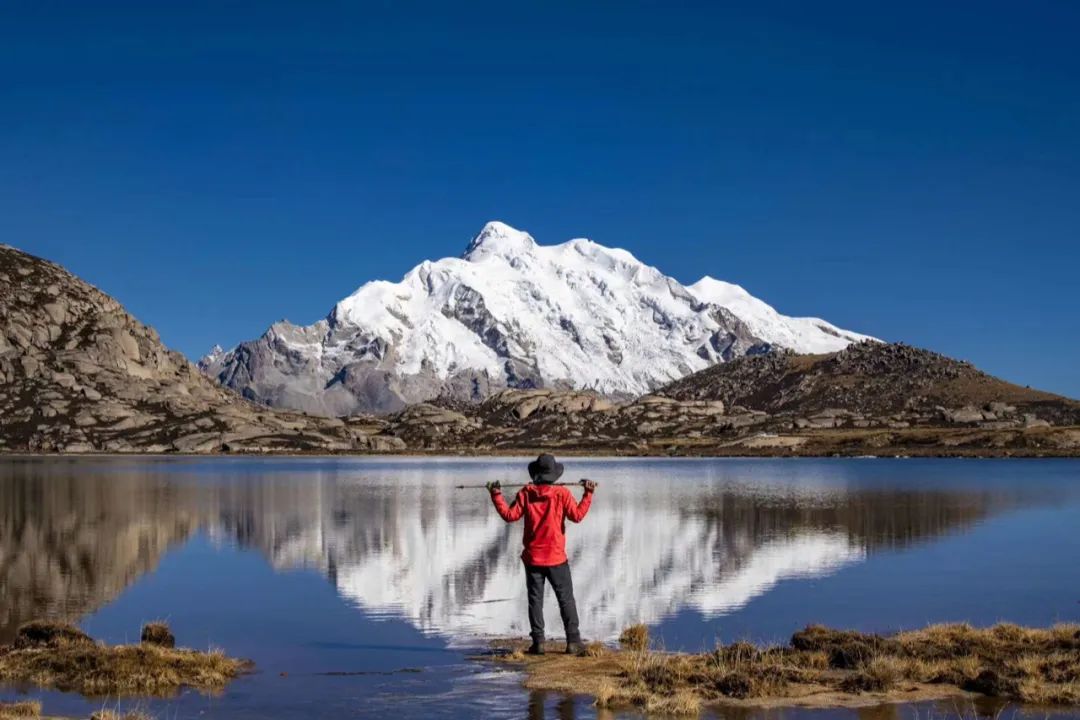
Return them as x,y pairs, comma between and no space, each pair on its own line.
937,442
819,668
563,452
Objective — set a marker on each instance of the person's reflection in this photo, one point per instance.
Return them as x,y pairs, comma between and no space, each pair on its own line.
879,712
565,708
536,704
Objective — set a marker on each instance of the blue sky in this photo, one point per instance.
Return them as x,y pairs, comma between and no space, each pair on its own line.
909,170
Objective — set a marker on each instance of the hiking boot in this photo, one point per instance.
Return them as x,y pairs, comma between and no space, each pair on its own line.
575,647
537,648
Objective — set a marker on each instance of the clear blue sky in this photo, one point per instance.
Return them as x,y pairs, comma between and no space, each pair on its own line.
910,170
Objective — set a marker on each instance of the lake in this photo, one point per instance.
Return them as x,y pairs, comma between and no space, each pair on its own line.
360,586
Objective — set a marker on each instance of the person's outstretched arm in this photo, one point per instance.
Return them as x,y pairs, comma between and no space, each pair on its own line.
575,511
509,513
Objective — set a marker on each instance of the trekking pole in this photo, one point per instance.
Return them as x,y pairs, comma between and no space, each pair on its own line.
517,485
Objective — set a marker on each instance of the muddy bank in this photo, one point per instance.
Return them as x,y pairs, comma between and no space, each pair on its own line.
819,667
62,657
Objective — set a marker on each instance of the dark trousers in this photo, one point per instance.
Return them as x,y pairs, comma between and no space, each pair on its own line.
559,577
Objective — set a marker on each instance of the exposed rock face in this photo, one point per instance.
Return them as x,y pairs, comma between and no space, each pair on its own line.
79,374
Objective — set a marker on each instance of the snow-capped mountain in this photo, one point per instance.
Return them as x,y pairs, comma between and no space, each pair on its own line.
510,313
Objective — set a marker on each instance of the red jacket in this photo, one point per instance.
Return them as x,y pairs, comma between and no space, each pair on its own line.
545,508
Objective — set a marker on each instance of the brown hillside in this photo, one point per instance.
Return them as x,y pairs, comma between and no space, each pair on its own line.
868,378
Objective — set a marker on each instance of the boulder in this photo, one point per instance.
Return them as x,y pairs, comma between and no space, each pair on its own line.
964,415
1031,421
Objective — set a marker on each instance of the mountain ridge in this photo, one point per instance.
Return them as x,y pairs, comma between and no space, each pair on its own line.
509,313
78,374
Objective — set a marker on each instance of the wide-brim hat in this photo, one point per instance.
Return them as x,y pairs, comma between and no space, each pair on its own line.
545,469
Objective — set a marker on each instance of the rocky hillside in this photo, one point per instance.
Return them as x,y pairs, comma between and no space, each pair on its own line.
874,380
79,374
582,422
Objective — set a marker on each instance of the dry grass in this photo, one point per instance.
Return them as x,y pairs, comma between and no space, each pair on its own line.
158,633
24,709
31,710
635,638
596,649
60,656
117,715
826,667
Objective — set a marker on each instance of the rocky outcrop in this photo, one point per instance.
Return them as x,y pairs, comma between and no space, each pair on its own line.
556,418
79,374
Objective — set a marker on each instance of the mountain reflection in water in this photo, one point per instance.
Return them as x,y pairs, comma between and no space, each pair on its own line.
395,538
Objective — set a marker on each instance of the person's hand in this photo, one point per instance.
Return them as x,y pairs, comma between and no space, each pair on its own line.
494,487
589,485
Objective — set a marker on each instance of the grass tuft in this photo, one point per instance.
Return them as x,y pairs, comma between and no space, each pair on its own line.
22,709
596,649
635,638
158,633
60,656
117,715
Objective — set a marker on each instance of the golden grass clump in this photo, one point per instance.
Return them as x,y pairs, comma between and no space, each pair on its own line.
880,674
60,656
21,709
117,715
635,638
158,633
606,692
827,667
596,649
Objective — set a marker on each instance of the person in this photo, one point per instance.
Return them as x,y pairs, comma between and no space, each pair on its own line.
546,507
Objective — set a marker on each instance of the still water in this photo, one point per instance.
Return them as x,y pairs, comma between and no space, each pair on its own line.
359,586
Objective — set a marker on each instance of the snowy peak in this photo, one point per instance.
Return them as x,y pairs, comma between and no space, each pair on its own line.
499,239
511,313
721,292
215,355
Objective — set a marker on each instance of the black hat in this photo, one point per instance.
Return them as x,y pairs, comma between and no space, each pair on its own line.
545,470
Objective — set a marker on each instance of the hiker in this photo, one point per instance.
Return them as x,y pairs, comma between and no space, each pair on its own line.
546,507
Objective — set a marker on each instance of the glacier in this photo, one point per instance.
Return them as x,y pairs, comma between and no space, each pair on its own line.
511,313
